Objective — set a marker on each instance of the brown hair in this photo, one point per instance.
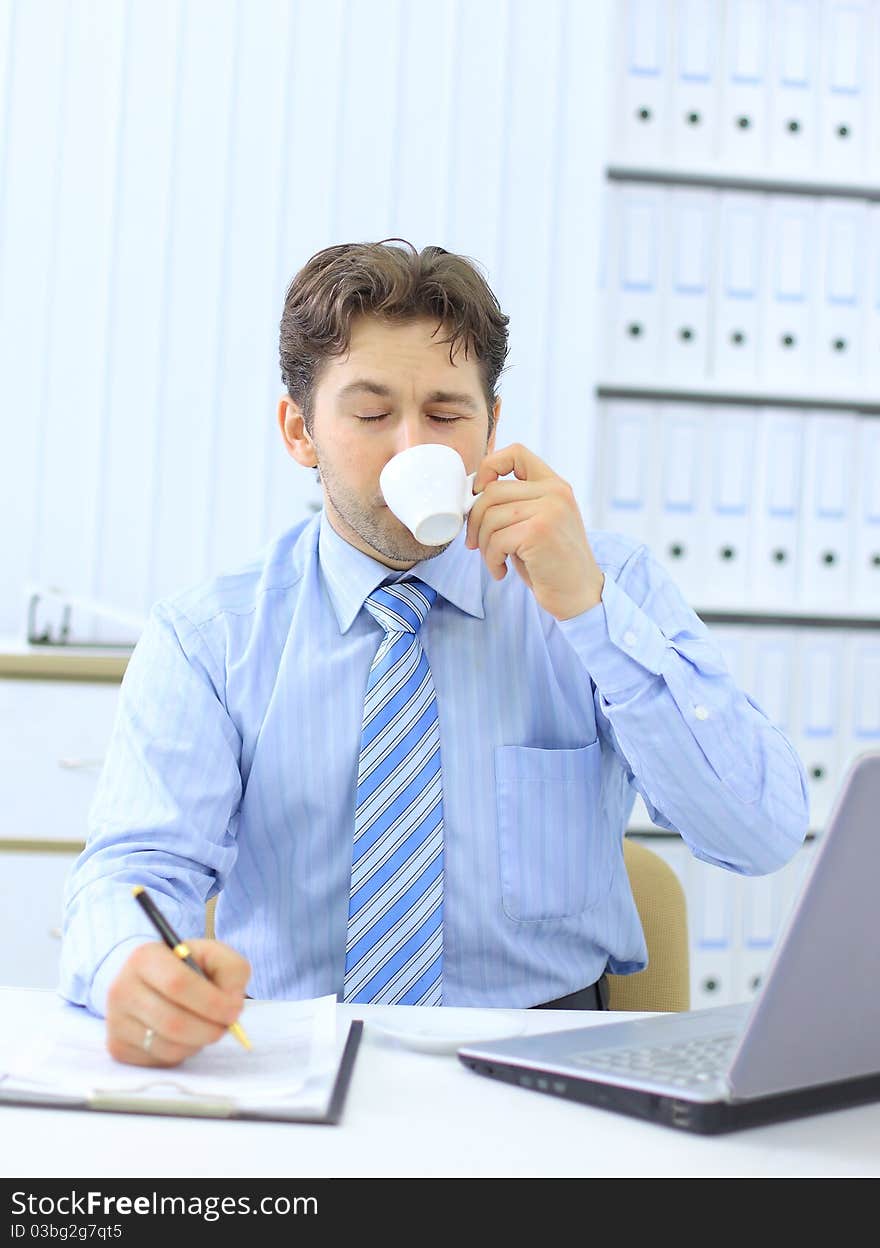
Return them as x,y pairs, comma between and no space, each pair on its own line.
397,285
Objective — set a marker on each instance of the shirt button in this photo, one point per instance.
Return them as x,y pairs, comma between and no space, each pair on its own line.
629,638
701,712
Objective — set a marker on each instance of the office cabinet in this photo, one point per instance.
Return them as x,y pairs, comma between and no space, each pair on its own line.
56,730
52,757
30,917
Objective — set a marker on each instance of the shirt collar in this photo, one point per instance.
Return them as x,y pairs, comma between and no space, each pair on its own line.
350,575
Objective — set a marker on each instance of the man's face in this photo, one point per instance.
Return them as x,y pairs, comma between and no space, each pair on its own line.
395,388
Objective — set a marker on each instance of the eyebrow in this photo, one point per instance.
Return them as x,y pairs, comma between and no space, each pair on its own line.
436,396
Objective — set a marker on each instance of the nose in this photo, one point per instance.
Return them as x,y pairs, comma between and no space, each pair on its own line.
411,431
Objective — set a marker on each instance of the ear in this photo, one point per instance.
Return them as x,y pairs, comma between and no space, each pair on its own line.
496,412
293,430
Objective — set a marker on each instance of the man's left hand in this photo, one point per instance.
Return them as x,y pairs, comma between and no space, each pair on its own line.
534,521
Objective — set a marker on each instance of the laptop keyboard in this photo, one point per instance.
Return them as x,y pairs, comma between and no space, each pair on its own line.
688,1063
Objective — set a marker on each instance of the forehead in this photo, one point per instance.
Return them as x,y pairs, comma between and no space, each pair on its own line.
390,352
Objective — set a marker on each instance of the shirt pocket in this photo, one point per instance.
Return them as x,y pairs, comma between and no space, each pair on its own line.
553,858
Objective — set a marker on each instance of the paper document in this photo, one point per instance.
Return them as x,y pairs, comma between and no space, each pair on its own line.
292,1066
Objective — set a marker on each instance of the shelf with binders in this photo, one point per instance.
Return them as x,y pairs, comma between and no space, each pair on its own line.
820,686
768,521
731,296
755,511
755,93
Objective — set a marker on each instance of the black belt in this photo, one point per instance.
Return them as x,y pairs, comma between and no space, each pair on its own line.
594,997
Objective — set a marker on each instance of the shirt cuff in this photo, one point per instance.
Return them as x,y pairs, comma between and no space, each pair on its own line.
619,645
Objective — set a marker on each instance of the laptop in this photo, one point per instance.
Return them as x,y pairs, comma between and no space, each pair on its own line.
807,1043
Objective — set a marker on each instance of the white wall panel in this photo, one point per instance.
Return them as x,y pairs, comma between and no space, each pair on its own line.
422,131
246,384
376,56
168,165
70,386
29,215
478,126
131,450
7,13
526,213
198,252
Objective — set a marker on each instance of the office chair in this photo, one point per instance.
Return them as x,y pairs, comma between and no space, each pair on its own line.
664,984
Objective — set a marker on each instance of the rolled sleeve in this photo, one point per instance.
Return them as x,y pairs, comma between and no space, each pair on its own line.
163,811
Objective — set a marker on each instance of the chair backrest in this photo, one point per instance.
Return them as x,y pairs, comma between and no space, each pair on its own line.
664,984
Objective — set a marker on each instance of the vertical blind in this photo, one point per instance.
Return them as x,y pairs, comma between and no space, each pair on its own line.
166,166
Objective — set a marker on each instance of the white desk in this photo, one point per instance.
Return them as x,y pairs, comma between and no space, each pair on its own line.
412,1114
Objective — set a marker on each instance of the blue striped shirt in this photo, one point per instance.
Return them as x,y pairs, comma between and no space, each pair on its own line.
232,770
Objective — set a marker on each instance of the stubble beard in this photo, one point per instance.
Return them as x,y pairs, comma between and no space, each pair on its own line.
377,526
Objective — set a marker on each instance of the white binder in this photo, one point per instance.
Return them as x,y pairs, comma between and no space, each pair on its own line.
772,675
816,731
689,243
711,894
742,129
765,903
730,454
794,873
739,276
677,530
790,878
710,897
826,510
634,281
842,227
758,925
606,211
777,507
865,571
644,38
848,49
786,339
695,96
860,703
627,473
793,109
871,325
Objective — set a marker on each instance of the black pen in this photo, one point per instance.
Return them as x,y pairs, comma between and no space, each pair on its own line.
176,945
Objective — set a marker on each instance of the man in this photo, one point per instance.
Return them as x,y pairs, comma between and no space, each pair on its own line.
407,770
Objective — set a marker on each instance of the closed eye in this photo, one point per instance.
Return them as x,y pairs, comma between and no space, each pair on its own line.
443,420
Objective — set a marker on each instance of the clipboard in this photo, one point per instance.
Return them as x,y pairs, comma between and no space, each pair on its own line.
320,1098
116,1102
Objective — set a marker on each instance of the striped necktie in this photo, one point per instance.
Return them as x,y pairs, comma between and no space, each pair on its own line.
394,950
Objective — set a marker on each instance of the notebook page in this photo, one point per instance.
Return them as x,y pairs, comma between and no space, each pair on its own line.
293,1060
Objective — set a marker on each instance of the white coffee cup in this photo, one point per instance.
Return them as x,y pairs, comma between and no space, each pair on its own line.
427,488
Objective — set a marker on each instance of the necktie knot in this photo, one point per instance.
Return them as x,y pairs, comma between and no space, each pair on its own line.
401,607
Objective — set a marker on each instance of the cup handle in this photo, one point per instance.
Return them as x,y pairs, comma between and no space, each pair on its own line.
469,496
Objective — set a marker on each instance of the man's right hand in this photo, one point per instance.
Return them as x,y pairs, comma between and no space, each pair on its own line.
159,998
